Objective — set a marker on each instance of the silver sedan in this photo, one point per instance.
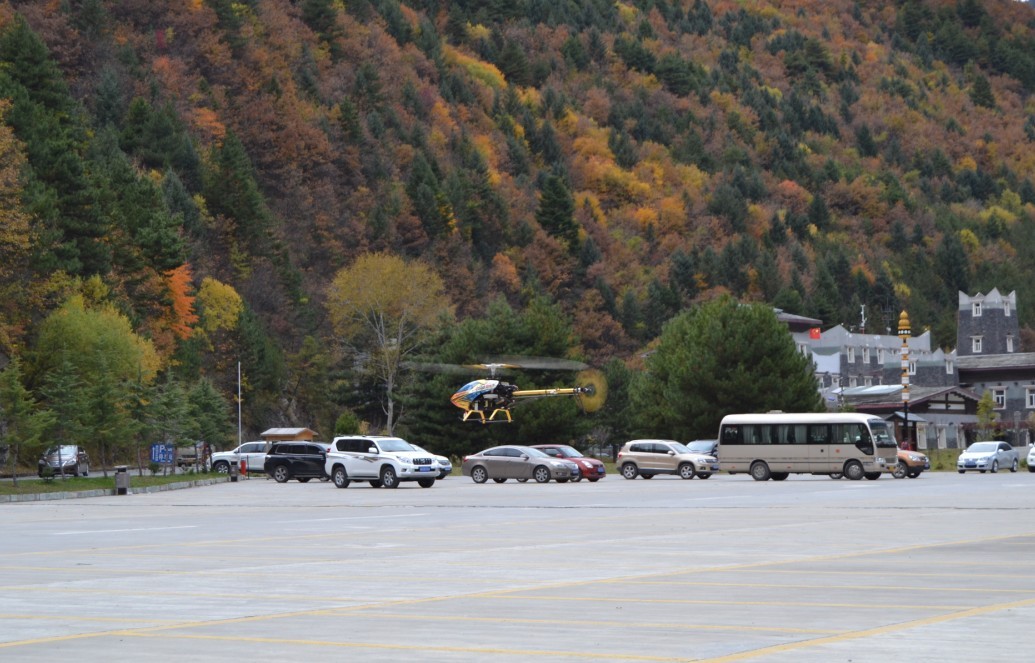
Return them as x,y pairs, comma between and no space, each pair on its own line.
988,457
517,462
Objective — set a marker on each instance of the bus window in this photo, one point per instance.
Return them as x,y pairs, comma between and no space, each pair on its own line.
863,441
730,435
819,433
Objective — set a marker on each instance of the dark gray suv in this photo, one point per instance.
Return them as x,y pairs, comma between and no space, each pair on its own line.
295,460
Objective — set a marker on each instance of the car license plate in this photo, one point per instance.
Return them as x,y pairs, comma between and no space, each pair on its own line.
425,468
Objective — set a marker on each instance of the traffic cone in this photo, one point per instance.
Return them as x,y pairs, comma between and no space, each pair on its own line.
244,467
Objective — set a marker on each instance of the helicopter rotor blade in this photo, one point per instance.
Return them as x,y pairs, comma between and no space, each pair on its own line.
542,363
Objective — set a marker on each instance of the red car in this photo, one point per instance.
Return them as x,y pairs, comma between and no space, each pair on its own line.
589,468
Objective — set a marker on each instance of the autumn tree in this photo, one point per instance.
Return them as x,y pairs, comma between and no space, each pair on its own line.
14,234
556,212
383,307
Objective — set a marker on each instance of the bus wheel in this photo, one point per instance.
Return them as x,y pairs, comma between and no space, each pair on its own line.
854,470
836,475
760,471
780,476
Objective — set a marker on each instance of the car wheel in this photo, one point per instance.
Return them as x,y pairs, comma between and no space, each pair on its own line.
1013,468
647,476
779,476
760,471
854,470
426,483
541,474
913,475
1031,468
707,475
900,471
686,471
872,476
995,466
388,477
480,475
340,477
962,471
629,471
598,479
500,479
375,483
281,473
443,475
836,475
304,479
522,480
577,478
562,481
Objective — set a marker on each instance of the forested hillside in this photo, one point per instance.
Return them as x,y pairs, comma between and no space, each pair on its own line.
188,177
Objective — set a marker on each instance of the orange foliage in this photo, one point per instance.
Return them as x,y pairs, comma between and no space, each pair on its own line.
182,315
792,196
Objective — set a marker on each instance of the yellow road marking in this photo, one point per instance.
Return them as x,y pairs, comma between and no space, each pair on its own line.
868,633
508,596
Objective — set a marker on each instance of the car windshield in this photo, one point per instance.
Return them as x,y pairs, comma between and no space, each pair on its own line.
983,447
395,445
64,450
569,452
536,453
882,435
702,447
680,448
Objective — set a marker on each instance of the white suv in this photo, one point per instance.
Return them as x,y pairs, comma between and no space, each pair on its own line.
383,461
251,457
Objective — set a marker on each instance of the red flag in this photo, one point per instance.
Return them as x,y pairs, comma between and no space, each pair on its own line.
814,333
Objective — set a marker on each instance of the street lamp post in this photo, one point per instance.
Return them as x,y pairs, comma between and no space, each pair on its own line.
904,333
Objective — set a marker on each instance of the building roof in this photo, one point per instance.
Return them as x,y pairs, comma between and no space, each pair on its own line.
1017,360
890,395
288,434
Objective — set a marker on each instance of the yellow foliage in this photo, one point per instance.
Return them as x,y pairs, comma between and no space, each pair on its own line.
480,70
220,305
970,241
775,92
627,13
584,198
1011,201
478,32
723,100
874,52
966,162
902,292
1007,216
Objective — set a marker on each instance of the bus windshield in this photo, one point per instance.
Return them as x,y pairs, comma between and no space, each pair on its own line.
881,435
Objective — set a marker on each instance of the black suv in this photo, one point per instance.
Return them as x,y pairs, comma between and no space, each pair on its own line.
295,460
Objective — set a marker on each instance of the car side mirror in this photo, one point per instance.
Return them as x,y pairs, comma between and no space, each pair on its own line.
671,453
524,457
372,450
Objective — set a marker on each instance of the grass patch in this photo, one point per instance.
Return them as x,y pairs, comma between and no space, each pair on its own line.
32,486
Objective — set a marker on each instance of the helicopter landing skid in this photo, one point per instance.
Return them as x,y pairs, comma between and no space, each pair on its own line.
492,417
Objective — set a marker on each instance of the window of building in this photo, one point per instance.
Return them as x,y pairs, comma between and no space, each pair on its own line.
912,367
1006,308
804,349
999,397
867,381
949,367
1009,343
975,344
975,309
880,356
866,355
1029,397
850,351
853,382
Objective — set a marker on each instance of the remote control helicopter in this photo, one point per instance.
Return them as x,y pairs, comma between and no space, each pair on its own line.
489,399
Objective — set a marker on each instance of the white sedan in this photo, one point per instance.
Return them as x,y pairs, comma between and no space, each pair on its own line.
988,457
1031,459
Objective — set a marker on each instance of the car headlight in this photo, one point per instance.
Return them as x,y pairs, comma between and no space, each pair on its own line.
916,458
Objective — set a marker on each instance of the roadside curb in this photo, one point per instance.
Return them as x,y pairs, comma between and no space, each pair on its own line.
105,492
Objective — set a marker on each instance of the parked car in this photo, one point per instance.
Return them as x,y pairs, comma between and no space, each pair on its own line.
250,455
1031,459
988,457
517,462
910,464
445,466
647,458
589,468
64,459
295,460
383,461
706,447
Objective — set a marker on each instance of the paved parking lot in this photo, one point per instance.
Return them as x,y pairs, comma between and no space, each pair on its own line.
809,569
